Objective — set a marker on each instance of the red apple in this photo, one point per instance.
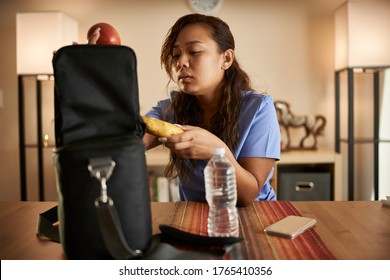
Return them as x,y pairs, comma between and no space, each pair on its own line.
108,34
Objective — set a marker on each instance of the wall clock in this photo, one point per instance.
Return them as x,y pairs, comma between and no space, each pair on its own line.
205,6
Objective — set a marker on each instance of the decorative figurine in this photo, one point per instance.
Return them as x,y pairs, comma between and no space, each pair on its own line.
313,125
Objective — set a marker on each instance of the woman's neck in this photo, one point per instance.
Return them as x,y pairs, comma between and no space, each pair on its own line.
209,105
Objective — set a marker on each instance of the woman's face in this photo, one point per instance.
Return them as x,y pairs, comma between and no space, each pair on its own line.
197,62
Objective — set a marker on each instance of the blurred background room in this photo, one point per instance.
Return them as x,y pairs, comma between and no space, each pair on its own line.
309,53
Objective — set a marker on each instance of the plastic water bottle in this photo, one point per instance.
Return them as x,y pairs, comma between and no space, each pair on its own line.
221,196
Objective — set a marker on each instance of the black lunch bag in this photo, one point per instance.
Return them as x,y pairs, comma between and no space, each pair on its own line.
100,156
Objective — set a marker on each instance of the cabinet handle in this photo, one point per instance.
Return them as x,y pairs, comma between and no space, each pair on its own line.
304,186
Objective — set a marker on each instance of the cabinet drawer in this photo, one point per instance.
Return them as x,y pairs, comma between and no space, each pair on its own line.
304,186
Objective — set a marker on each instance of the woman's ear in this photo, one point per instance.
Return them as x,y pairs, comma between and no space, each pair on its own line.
228,59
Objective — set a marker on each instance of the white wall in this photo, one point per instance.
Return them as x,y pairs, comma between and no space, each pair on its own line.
287,51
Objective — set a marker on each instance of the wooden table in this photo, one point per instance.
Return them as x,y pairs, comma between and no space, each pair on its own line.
352,229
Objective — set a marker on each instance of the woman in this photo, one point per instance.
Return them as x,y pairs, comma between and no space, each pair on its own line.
216,107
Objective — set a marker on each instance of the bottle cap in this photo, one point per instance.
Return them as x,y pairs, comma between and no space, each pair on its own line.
219,151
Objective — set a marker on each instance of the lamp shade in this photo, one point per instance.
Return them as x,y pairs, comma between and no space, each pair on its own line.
362,34
38,35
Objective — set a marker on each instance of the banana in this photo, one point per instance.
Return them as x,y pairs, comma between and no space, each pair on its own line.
160,128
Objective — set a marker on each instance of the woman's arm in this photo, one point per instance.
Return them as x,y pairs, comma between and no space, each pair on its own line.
150,141
251,172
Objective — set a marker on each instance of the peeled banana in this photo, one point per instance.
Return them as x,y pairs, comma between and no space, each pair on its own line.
160,128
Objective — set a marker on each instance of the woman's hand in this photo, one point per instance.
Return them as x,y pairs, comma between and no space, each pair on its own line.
194,142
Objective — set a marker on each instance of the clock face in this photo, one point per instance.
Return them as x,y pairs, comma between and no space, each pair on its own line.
205,6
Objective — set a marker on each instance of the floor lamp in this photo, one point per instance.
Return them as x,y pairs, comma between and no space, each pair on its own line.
362,44
38,34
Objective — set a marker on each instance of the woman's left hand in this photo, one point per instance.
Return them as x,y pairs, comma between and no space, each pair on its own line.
194,142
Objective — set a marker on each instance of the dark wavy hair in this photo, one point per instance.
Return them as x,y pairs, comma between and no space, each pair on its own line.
185,108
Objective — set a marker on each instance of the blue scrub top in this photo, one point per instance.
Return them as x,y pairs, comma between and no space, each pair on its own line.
259,137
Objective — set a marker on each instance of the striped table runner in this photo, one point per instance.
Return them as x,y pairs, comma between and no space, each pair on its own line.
192,217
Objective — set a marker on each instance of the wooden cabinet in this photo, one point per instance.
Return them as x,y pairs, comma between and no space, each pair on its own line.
161,189
319,162
157,157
